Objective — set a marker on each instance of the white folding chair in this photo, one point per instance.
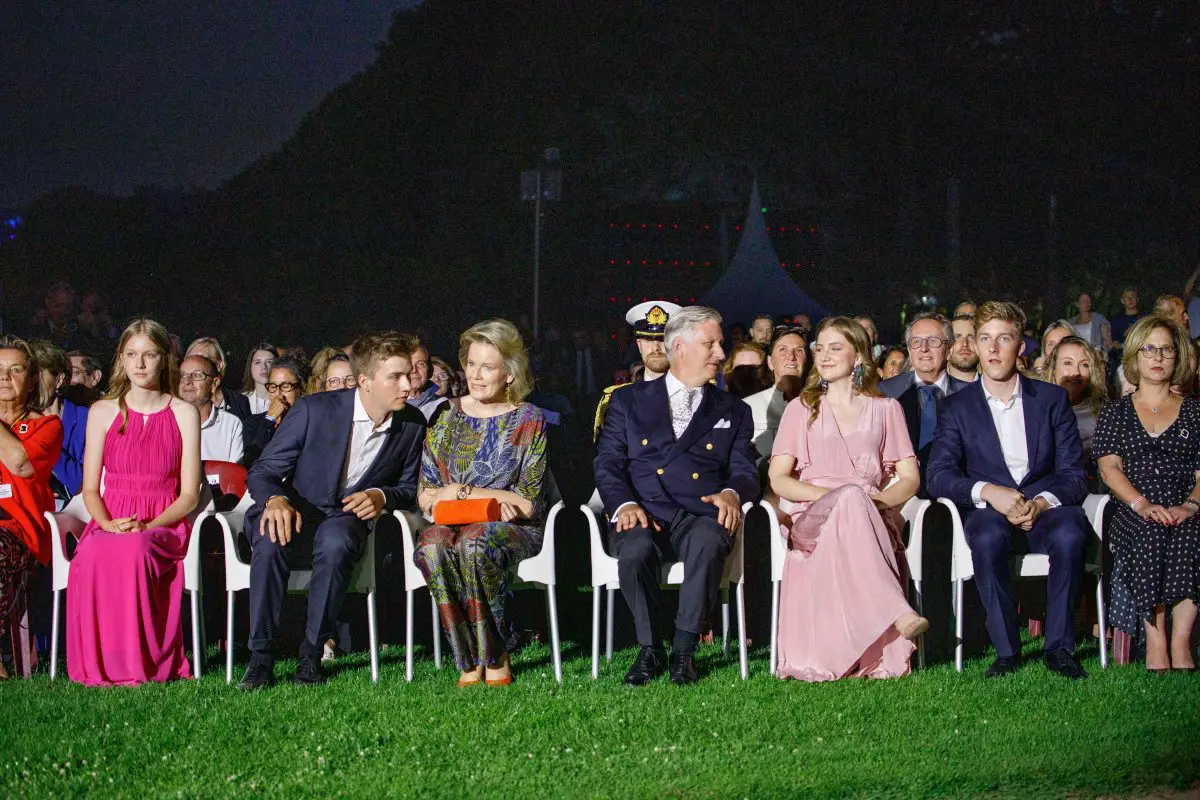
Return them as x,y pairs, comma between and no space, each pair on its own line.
1028,565
605,577
237,577
537,570
72,520
913,512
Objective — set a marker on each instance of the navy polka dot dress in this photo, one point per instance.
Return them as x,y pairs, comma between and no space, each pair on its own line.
1153,564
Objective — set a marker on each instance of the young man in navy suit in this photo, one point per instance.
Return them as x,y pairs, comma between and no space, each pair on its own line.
338,460
1007,451
674,464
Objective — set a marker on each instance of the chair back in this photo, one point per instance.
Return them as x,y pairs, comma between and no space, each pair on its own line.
226,481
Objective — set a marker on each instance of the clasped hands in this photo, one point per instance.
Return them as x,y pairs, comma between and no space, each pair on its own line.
1020,512
124,525
281,521
432,495
729,513
1170,516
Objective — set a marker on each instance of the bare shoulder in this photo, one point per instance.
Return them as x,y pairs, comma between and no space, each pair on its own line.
185,413
104,410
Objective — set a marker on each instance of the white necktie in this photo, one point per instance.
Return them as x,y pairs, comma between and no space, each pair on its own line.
681,410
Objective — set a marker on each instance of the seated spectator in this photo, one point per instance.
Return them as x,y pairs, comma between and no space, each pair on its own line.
318,368
285,385
488,444
221,436
1121,323
873,334
97,331
1148,460
964,309
1091,326
442,374
72,409
737,335
1076,366
30,442
56,320
336,462
235,403
746,354
123,616
964,361
760,329
425,393
788,360
1055,332
1174,309
85,370
254,382
893,362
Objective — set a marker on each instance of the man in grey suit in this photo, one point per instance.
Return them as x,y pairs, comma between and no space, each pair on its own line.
920,392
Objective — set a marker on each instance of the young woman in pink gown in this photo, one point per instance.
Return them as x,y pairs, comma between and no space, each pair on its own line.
843,608
126,587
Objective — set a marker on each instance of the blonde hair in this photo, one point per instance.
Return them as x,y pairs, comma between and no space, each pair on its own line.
319,367
856,335
1001,310
1137,336
504,336
204,341
168,368
1097,394
744,347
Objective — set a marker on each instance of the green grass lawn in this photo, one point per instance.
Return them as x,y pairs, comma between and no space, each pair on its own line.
935,733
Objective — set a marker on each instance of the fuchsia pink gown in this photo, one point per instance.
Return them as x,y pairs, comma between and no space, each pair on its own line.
126,589
844,573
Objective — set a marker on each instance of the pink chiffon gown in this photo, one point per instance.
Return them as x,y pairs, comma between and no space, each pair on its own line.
843,583
126,589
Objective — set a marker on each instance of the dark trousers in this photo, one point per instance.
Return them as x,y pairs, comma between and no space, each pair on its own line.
336,544
699,542
1060,533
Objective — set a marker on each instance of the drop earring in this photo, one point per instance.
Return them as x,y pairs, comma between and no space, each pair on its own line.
857,378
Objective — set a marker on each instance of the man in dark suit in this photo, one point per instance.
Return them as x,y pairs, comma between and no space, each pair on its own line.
674,464
337,461
1007,451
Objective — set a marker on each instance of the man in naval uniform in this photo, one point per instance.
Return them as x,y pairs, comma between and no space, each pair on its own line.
649,321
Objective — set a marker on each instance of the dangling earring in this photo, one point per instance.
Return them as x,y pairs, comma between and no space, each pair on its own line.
824,384
857,378
508,395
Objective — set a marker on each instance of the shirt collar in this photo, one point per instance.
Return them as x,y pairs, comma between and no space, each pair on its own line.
942,383
361,415
212,417
991,398
674,385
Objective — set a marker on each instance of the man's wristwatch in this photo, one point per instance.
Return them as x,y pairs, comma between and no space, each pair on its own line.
463,492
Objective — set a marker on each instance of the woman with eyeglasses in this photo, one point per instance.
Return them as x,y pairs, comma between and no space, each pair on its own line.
329,371
285,384
1148,447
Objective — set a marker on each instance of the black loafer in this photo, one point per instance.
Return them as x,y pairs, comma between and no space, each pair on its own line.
259,675
309,673
1064,664
1004,665
683,669
649,664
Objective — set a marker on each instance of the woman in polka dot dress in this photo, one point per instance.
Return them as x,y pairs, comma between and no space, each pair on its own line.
1148,448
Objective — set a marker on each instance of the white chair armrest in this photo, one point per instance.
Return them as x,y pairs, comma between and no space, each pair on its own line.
961,566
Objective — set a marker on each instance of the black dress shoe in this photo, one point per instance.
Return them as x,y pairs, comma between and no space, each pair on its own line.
1003,665
309,673
683,669
1064,664
649,664
259,675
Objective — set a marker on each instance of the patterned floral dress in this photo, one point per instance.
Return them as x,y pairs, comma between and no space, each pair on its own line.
466,566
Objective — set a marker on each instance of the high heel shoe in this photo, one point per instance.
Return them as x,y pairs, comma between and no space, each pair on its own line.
914,628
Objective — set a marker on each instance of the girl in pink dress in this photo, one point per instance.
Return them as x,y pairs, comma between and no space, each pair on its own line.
843,610
126,587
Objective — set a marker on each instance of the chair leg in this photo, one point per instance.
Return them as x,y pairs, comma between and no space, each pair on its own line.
608,623
920,609
373,634
408,635
54,635
958,625
1102,618
743,656
596,592
555,653
229,636
725,622
774,627
437,634
197,623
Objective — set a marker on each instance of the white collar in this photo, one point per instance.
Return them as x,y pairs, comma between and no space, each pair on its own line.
987,395
212,417
942,382
361,415
674,385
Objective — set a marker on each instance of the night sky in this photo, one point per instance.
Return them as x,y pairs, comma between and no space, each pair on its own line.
113,95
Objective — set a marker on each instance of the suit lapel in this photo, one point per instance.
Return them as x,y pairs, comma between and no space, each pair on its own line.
701,422
912,412
1030,409
987,427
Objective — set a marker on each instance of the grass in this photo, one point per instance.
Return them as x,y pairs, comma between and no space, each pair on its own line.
935,733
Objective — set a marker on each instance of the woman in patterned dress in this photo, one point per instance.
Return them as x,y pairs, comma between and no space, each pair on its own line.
1148,446
487,444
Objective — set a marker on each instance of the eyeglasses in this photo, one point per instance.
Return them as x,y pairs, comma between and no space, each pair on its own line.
921,342
282,387
193,377
349,382
14,371
1167,351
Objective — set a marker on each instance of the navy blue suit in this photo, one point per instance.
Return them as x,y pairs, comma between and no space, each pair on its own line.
639,460
304,462
903,388
966,450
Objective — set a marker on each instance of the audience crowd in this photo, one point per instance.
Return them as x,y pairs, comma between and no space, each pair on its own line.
833,428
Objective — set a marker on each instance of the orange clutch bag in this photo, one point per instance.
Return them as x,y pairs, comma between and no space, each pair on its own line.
466,512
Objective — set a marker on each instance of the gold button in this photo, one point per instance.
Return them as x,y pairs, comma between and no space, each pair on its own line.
645,441
695,476
708,446
660,470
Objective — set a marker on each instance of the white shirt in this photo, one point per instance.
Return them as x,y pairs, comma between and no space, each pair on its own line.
1009,419
221,437
258,405
675,386
942,383
365,440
